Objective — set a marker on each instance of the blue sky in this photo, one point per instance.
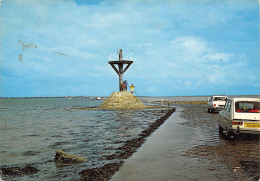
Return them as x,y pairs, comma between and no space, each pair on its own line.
180,48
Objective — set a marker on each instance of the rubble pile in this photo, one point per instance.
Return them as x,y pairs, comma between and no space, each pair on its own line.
122,100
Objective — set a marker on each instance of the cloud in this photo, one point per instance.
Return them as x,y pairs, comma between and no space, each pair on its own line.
178,45
194,46
218,57
195,63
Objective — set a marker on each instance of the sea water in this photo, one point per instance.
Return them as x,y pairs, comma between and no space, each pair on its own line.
32,129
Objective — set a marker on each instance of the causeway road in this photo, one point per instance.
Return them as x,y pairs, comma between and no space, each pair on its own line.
187,147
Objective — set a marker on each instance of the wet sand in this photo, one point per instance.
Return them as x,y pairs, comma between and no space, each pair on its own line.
187,147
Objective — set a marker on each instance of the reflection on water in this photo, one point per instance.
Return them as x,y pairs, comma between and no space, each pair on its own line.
33,129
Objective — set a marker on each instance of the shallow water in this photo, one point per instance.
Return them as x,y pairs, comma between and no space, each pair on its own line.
33,129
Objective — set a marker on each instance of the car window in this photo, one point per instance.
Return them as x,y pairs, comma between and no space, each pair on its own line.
247,106
219,98
225,108
228,105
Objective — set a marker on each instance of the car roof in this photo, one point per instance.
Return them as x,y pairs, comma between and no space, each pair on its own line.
219,96
245,99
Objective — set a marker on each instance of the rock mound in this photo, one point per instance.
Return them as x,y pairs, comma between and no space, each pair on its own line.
65,158
122,100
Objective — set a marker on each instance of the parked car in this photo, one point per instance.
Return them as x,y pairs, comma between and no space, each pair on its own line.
216,103
240,116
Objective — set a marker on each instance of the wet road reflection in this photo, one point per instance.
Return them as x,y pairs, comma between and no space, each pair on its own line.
240,155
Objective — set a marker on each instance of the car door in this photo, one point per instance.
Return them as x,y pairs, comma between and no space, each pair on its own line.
225,115
222,115
210,102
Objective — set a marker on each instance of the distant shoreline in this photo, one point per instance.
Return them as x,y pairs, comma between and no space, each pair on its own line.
93,97
73,97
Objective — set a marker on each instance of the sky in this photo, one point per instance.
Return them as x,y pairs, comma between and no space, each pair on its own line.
179,47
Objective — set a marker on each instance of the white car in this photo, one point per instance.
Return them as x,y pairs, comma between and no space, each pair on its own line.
216,103
240,115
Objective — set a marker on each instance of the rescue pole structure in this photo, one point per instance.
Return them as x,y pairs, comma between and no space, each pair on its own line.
118,66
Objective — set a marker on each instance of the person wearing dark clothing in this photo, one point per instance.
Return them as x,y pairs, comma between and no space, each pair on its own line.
125,82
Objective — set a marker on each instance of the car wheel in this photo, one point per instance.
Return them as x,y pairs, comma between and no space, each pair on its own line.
208,110
227,136
220,131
